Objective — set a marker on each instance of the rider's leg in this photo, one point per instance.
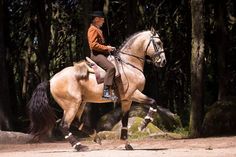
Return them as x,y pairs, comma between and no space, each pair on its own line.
108,80
105,64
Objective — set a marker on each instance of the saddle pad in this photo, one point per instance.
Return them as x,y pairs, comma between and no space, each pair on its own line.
99,72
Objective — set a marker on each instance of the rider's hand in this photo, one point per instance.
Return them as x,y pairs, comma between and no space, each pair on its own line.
111,48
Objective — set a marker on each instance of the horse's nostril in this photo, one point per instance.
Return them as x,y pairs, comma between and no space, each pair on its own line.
164,61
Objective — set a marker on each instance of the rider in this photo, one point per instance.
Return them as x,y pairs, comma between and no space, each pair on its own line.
100,51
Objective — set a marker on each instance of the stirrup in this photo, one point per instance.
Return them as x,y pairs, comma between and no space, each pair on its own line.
109,94
110,97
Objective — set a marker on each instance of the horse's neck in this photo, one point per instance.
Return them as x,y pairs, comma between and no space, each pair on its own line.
132,55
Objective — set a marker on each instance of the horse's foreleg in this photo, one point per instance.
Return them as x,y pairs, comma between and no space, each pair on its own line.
125,117
141,98
82,127
91,132
124,129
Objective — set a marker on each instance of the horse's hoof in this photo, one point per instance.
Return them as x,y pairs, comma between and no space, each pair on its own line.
81,148
97,140
128,147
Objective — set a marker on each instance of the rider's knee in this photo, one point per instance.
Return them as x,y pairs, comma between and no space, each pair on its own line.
112,69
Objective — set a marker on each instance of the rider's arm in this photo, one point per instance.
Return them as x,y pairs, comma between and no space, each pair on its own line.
94,44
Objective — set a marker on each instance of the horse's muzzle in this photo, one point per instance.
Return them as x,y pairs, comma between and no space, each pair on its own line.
160,60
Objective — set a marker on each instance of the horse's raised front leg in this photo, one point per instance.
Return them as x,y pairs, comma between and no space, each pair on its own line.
125,117
141,98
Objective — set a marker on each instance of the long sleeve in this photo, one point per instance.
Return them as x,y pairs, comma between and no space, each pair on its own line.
96,40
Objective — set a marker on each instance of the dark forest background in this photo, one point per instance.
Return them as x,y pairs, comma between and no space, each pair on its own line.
38,38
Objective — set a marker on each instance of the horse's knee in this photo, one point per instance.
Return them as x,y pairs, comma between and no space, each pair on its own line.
153,104
149,117
152,109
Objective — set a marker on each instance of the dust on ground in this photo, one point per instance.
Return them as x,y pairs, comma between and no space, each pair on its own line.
201,147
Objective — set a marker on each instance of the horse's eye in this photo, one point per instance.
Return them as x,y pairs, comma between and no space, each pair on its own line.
158,42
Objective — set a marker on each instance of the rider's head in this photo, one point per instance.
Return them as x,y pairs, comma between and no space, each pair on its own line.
98,18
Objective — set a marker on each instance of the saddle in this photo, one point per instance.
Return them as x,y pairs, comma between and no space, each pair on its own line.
98,71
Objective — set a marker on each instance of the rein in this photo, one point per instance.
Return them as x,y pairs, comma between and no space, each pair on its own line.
139,58
142,59
117,57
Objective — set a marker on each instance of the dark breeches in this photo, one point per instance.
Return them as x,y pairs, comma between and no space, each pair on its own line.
104,63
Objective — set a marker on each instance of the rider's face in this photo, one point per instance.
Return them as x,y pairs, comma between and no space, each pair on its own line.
99,21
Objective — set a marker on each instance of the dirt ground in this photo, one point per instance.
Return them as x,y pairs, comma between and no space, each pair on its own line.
201,147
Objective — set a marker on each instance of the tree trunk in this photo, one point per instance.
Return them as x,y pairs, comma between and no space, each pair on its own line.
221,47
87,8
131,16
5,104
197,60
28,44
44,22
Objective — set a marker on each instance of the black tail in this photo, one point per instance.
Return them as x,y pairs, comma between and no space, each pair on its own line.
41,114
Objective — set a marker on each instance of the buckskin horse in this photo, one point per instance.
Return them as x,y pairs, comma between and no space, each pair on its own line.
75,86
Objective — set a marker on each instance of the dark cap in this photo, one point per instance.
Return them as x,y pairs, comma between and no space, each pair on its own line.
97,14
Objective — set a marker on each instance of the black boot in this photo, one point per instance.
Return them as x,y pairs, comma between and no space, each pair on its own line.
106,92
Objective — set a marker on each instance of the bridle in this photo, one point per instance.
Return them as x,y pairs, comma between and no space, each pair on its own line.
157,52
142,59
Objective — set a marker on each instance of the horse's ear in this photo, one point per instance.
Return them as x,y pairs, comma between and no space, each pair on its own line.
153,31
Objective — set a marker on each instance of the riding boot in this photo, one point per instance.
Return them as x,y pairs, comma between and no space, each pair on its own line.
106,92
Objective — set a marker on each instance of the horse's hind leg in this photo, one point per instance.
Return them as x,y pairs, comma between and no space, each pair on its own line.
69,115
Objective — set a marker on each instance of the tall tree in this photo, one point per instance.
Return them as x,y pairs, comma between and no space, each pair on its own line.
87,8
197,62
131,16
221,47
5,107
43,19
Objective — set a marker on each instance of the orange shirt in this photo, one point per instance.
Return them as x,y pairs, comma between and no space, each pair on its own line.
96,40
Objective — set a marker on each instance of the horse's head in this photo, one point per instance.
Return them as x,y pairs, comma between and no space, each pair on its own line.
141,44
153,47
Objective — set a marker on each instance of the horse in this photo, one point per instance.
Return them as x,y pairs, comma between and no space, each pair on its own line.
76,85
